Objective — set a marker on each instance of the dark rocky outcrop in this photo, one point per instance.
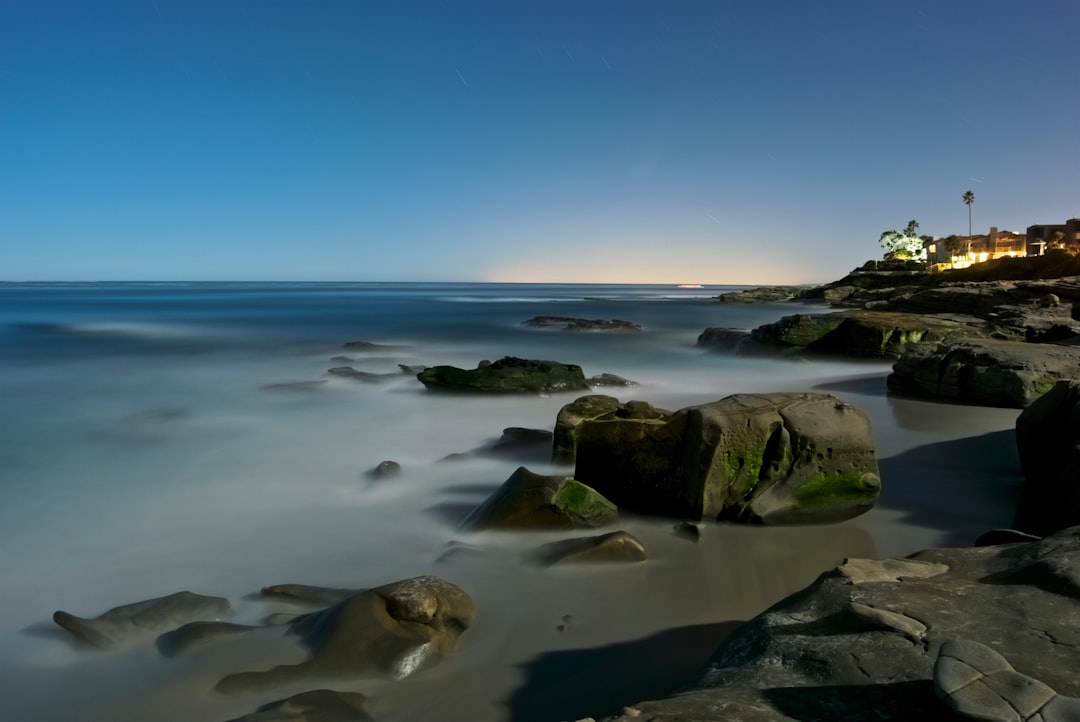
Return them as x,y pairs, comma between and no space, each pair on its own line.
780,458
616,547
567,323
318,705
521,436
866,334
131,621
527,500
987,372
862,642
507,375
593,407
1048,441
724,340
391,631
763,294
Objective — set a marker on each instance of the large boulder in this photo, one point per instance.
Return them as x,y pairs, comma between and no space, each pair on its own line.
988,372
507,375
861,643
527,500
587,408
391,631
780,458
1048,441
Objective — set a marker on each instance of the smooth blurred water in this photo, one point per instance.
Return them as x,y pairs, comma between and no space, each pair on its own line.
167,436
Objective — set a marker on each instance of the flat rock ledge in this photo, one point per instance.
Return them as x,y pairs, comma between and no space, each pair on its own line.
988,372
987,633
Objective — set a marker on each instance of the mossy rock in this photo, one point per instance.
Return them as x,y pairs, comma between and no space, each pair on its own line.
508,375
528,501
591,408
882,334
988,372
780,458
862,334
798,331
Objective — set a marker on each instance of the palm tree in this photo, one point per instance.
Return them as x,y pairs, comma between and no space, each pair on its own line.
969,198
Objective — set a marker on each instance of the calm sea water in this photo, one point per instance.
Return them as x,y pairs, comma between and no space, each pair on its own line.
168,436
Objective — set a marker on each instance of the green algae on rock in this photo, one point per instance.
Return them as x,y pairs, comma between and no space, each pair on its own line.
528,500
590,408
783,458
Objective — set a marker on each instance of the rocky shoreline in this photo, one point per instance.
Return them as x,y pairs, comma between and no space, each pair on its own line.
993,343
988,632
868,640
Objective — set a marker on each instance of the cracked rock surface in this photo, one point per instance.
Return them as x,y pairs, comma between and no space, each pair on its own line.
862,641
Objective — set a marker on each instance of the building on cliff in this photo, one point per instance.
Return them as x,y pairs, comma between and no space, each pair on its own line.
962,251
1040,238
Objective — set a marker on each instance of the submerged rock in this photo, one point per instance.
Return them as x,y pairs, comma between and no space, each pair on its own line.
349,372
567,323
369,346
616,547
390,632
507,375
193,634
528,500
319,705
609,380
385,470
782,458
307,594
129,621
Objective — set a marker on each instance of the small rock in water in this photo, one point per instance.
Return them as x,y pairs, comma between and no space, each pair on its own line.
687,530
616,547
385,470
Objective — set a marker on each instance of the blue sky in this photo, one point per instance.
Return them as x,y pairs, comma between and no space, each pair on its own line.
522,140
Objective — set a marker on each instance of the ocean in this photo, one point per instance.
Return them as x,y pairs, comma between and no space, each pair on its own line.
156,437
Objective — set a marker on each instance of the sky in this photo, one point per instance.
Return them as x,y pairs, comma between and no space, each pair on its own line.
607,141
